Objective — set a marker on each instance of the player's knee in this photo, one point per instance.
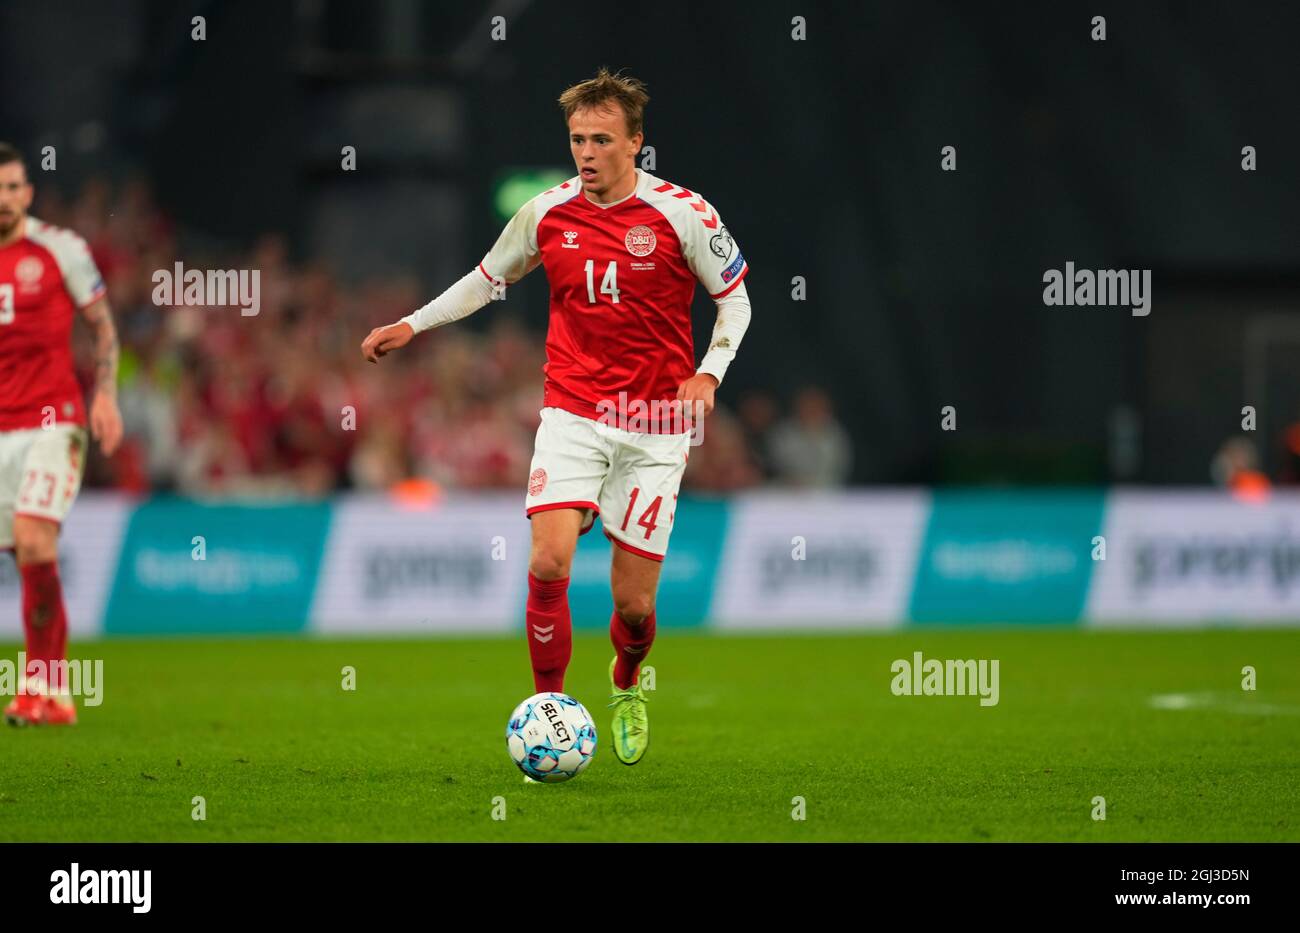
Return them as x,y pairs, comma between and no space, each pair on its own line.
38,553
634,608
549,563
35,542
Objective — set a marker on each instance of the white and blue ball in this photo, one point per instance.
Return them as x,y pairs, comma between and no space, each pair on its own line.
551,737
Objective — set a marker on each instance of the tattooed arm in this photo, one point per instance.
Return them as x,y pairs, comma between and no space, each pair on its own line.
105,419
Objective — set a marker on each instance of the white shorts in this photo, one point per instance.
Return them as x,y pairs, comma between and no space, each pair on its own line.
630,480
40,474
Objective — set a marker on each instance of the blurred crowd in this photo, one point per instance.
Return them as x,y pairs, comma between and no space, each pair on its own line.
1238,466
215,403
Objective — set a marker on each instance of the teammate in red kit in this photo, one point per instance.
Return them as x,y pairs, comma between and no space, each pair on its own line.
623,251
46,274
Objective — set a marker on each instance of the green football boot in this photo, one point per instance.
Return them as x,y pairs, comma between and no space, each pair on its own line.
630,730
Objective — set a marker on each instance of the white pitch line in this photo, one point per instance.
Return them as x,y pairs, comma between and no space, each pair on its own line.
1220,702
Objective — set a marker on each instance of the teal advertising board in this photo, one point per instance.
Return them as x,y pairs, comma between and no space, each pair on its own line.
191,568
999,557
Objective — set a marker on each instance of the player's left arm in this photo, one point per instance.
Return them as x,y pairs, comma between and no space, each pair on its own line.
105,419
718,264
728,330
86,289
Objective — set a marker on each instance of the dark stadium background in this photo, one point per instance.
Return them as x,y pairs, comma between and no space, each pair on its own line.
923,287
316,632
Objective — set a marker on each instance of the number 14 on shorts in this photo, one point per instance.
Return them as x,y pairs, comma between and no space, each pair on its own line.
649,519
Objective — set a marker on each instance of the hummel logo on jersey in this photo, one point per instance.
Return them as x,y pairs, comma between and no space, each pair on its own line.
547,629
570,239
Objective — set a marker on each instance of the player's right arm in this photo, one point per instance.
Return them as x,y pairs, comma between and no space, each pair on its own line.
514,255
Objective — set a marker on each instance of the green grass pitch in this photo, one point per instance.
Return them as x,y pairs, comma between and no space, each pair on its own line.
740,726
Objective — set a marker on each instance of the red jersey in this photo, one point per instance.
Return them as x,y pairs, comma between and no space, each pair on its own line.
44,278
622,277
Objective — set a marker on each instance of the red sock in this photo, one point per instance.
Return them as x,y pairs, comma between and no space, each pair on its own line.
550,632
631,645
44,618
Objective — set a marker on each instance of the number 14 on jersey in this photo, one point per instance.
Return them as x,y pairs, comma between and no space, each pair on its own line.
608,284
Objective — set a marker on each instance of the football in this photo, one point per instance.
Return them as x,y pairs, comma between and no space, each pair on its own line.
551,737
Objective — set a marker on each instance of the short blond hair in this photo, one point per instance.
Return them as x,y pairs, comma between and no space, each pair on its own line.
606,88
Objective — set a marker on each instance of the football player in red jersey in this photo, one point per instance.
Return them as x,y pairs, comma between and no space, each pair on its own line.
46,275
623,251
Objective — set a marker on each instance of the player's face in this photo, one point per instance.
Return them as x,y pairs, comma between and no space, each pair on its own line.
603,152
15,197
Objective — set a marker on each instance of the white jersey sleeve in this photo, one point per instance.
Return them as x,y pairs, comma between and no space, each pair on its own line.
513,256
515,253
708,247
728,330
714,259
465,296
714,256
80,274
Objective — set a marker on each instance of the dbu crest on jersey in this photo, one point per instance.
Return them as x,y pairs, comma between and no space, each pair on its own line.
29,270
640,240
537,482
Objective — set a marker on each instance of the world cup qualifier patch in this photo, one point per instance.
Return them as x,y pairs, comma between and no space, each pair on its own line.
536,482
640,240
722,244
